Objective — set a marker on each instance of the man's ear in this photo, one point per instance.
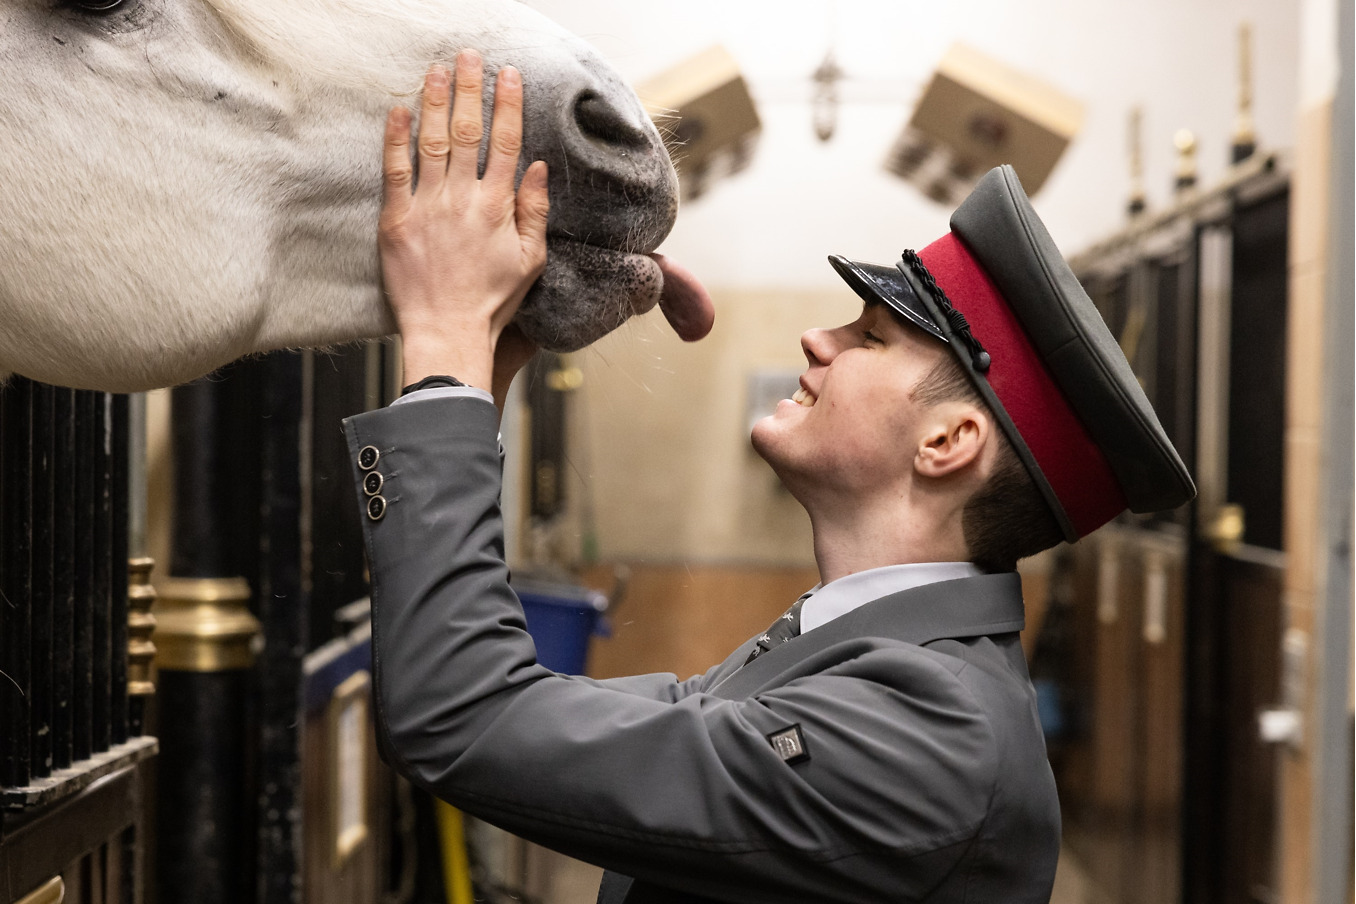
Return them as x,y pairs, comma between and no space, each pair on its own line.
955,438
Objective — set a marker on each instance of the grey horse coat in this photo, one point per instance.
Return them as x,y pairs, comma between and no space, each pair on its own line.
917,772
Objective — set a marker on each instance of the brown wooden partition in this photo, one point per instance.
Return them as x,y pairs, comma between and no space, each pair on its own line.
1169,791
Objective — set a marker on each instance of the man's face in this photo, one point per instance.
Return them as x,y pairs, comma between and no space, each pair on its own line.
853,426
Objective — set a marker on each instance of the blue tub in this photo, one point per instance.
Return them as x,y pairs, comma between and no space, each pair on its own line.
561,618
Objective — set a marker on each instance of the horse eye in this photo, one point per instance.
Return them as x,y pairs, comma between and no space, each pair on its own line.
96,6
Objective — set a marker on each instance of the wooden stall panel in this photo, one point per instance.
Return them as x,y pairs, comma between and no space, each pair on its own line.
1161,649
685,619
1120,767
340,771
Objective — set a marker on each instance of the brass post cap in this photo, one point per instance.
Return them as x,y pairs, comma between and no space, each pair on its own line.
203,625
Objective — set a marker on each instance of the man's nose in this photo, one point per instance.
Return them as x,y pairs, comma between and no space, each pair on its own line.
818,346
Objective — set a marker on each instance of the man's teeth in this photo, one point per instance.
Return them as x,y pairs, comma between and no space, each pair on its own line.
803,398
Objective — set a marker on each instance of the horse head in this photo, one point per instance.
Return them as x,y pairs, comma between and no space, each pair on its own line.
183,182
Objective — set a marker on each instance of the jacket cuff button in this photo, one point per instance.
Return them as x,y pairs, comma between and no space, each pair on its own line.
372,482
376,508
368,456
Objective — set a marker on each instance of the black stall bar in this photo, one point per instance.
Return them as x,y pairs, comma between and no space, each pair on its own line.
63,577
284,581
116,418
101,597
83,513
16,614
204,636
42,531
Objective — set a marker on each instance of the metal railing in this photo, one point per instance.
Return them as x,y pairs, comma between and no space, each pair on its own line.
63,586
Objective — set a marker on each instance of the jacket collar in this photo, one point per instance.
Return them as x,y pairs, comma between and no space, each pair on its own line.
967,607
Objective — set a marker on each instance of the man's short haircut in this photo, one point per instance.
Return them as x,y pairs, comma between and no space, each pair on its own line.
1006,519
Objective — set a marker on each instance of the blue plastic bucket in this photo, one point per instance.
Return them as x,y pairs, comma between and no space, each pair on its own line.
561,618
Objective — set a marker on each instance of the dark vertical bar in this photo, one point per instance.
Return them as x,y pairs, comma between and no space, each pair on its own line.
205,802
547,452
83,513
15,497
336,536
119,407
1256,404
7,692
102,564
283,610
63,575
42,518
216,508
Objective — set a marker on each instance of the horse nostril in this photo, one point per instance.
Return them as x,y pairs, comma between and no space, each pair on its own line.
602,122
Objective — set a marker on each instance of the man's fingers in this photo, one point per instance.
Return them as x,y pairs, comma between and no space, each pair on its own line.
533,208
506,133
397,170
467,127
433,146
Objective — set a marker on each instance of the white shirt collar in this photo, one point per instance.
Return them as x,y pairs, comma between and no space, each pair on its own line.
827,602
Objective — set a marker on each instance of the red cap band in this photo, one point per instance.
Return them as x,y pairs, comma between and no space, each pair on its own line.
1072,463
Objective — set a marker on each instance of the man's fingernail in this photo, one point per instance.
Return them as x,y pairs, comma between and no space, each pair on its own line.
511,76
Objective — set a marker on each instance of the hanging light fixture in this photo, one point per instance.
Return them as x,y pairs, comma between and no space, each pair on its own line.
824,102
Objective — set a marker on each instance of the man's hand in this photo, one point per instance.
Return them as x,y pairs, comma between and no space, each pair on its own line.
458,252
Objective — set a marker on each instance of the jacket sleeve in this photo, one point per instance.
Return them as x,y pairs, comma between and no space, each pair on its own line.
651,777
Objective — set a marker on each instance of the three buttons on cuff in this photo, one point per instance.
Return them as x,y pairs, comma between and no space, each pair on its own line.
368,456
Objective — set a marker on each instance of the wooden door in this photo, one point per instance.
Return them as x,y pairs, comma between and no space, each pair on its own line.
1236,624
1176,619
1123,595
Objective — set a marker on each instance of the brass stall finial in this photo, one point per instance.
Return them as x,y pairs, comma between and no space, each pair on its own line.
205,625
140,626
1245,136
1136,203
1185,142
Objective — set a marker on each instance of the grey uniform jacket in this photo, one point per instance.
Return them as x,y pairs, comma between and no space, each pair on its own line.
923,775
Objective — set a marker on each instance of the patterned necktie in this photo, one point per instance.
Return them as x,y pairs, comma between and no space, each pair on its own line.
783,629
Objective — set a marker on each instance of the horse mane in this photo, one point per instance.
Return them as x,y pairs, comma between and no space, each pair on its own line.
366,44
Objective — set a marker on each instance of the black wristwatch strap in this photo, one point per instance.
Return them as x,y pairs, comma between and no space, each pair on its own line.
431,382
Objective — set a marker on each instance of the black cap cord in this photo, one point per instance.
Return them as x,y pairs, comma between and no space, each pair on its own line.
977,365
955,320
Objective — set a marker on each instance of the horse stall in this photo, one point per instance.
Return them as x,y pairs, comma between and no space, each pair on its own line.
246,770
74,654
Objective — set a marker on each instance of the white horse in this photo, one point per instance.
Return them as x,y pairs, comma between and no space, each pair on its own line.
183,182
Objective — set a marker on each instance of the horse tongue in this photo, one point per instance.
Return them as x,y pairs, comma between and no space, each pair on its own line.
684,301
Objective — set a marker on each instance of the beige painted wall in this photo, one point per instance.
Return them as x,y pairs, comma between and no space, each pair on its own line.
660,448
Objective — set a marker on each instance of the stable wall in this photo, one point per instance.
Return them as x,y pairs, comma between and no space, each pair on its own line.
772,225
662,466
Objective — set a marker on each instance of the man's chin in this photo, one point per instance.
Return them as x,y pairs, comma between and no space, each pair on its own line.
764,438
